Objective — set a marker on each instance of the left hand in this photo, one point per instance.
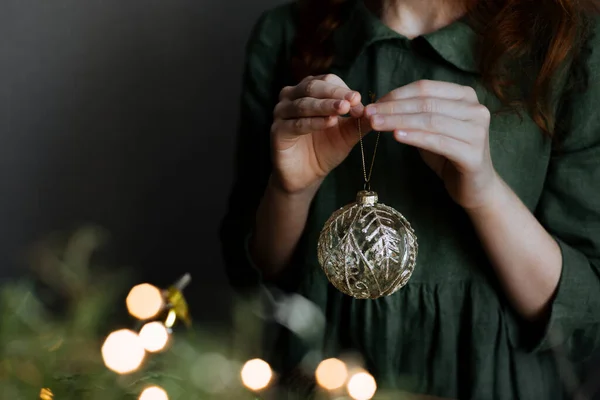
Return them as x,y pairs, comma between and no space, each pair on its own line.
451,129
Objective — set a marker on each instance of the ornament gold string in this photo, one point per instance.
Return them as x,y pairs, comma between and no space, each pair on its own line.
367,185
367,249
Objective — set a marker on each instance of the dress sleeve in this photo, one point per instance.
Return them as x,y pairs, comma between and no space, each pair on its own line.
570,210
260,87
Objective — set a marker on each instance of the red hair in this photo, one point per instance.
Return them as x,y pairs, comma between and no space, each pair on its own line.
537,38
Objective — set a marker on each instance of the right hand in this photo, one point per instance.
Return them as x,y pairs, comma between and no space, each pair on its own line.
309,136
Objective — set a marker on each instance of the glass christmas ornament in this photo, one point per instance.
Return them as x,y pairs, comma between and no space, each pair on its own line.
367,249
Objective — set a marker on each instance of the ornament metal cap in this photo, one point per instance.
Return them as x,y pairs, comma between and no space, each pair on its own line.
367,197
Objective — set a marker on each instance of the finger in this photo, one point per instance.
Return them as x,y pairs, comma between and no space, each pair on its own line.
284,93
427,122
461,110
358,111
426,88
454,150
355,102
310,107
324,90
303,126
332,78
307,78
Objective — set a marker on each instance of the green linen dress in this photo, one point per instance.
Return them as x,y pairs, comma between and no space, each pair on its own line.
450,332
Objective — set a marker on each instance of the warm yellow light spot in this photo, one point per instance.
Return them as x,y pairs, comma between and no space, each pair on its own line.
331,374
171,318
144,301
154,393
154,336
46,394
256,374
122,351
362,386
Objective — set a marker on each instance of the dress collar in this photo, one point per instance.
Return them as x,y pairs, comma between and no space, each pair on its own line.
455,43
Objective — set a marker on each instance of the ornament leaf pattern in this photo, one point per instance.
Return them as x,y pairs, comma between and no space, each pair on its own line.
367,263
387,245
367,250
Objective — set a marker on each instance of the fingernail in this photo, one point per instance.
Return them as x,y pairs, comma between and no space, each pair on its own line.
350,96
337,104
400,134
378,120
370,110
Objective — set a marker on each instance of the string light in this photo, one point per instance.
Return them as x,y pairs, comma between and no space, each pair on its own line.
177,303
144,301
154,336
46,394
331,374
122,351
154,393
256,374
171,318
362,386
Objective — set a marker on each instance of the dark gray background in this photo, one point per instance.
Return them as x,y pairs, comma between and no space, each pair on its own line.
123,114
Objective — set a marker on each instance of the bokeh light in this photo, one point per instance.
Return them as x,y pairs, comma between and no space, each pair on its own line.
362,386
154,393
331,374
122,351
154,336
256,374
46,394
144,301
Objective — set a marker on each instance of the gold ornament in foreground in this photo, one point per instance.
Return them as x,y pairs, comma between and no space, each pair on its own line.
367,249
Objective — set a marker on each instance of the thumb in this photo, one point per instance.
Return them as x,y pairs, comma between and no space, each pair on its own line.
358,110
